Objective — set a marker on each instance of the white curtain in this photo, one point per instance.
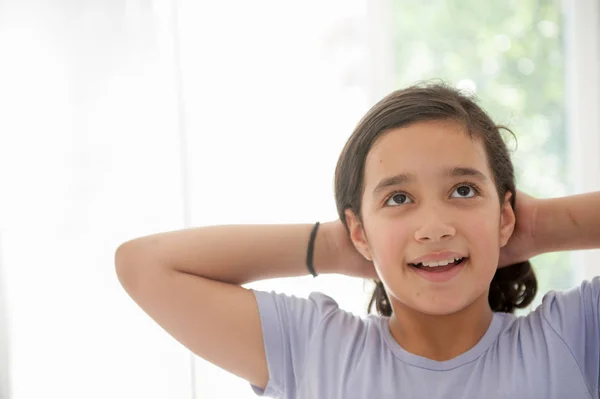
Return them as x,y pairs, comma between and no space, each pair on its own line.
120,118
124,118
89,157
272,91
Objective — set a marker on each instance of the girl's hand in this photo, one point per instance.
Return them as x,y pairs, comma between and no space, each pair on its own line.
348,260
521,245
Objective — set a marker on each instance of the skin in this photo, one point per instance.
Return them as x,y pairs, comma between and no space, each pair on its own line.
429,213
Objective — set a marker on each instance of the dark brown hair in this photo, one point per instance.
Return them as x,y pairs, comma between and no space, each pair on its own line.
513,286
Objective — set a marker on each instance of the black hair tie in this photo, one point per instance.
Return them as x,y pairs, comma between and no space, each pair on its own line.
311,249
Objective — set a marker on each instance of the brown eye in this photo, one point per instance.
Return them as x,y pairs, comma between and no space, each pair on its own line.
398,199
465,191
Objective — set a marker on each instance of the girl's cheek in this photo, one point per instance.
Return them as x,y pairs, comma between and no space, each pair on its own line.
393,243
484,225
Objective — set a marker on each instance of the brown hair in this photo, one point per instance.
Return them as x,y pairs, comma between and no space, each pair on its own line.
513,286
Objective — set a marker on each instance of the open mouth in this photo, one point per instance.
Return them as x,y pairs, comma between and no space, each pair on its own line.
437,268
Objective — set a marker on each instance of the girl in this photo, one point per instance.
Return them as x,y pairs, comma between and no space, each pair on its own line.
428,208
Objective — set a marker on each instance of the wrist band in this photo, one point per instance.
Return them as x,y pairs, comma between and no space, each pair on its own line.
311,248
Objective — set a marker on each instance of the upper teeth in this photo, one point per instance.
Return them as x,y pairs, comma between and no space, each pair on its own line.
441,262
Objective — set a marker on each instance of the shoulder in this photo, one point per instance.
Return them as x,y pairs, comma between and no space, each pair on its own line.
566,328
317,303
561,309
570,315
566,321
578,303
304,337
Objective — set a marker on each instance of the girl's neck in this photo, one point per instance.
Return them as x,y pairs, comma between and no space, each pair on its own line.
440,338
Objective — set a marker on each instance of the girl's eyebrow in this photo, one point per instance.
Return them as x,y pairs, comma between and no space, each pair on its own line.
448,172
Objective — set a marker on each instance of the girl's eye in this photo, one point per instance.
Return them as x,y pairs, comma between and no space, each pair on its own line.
466,191
398,199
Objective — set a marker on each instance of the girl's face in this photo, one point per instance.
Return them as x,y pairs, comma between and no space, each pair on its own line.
429,197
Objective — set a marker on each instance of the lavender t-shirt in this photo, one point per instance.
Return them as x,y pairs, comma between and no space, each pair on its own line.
315,350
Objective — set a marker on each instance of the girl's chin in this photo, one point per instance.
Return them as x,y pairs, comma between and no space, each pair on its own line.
448,303
441,310
436,303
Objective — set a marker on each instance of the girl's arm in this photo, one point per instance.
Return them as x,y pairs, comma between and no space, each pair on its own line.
240,254
568,223
189,281
236,254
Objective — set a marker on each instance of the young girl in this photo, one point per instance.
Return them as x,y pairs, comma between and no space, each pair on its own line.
428,208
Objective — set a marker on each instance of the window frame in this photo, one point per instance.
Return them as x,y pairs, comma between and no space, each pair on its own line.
582,50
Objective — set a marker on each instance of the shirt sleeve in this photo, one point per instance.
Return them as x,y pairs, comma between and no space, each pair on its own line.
575,316
287,324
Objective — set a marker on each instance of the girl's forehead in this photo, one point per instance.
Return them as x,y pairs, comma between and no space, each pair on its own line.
424,148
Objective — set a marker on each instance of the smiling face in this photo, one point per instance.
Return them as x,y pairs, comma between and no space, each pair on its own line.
428,191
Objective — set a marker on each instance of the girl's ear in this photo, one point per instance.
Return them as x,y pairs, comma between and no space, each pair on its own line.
507,220
357,234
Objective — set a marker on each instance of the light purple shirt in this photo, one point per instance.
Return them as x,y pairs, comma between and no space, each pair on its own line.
317,351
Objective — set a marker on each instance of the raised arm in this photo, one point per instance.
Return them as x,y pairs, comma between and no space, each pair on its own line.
189,281
568,223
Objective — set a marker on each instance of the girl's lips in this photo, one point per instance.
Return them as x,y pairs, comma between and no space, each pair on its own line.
438,256
440,276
